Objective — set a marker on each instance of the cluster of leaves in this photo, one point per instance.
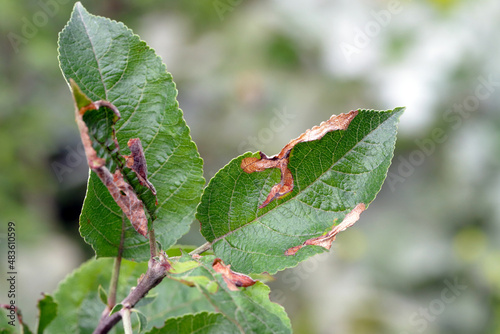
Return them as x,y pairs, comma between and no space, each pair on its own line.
259,214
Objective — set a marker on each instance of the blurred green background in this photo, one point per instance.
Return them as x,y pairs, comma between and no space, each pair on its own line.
251,76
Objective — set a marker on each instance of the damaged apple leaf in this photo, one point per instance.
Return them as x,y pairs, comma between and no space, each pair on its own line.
240,299
252,212
124,195
233,280
96,122
137,162
103,154
122,70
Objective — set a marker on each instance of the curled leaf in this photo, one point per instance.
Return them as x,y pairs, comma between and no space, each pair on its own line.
233,280
326,240
84,104
125,197
103,296
251,164
137,162
122,192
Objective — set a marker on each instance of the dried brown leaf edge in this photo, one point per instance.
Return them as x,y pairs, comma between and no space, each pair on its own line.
122,192
327,239
233,279
251,164
137,162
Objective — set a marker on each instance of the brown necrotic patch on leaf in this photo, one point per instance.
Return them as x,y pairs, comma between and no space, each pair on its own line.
82,105
326,240
121,191
251,164
137,162
233,279
93,160
126,198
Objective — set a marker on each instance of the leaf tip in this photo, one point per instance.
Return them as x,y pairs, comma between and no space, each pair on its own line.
78,5
81,100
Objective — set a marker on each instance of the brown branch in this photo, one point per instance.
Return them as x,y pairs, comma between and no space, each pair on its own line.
157,270
152,241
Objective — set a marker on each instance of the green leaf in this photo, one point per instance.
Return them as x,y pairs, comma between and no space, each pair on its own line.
48,311
80,306
117,308
148,299
26,329
201,323
141,318
81,100
108,62
103,296
9,323
181,267
331,176
177,250
5,327
248,308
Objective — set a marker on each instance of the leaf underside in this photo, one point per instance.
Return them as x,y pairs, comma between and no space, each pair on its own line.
331,176
108,62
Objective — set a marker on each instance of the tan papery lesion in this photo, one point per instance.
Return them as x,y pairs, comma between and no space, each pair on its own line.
280,161
326,240
233,279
